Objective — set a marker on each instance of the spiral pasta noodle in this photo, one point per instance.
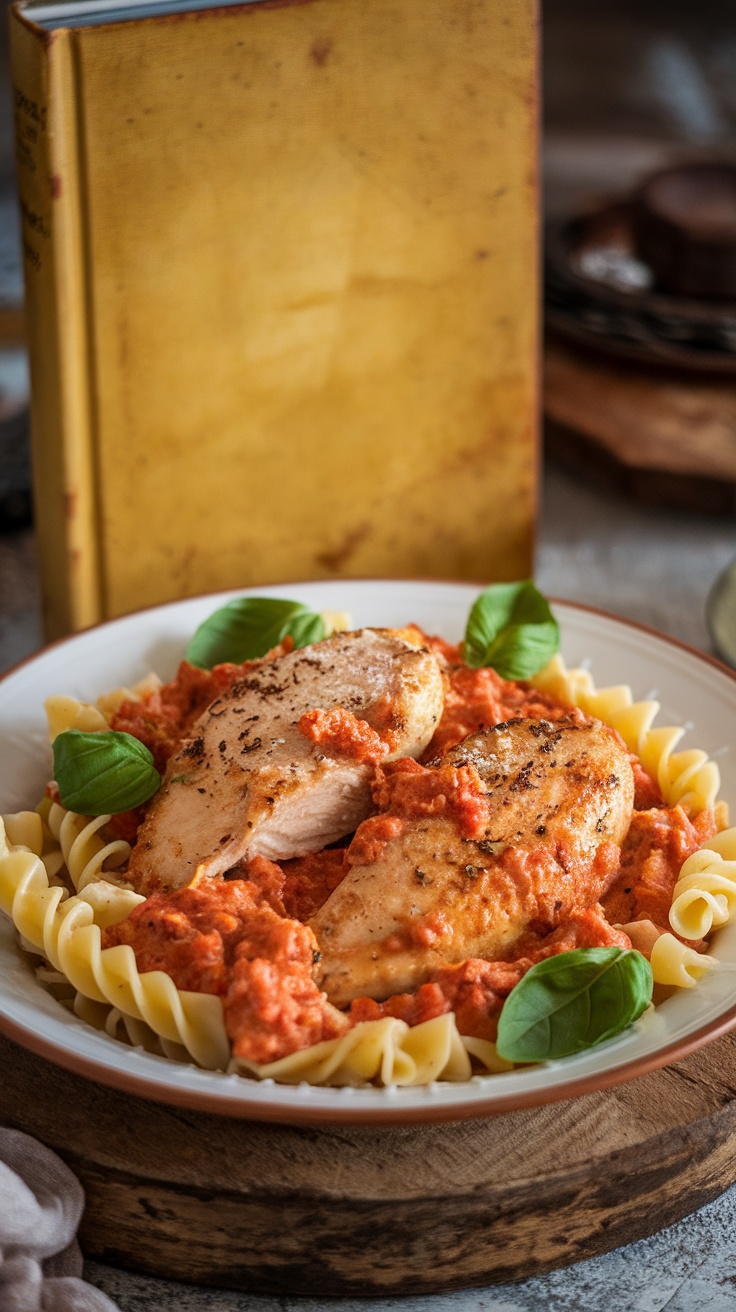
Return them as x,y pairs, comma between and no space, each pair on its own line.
386,1051
66,930
675,964
704,897
64,712
88,855
126,1029
28,829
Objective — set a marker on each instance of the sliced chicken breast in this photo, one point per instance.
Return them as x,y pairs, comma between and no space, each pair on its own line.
552,803
251,781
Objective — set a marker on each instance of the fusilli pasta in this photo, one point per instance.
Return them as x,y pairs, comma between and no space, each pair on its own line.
704,897
66,931
387,1051
88,855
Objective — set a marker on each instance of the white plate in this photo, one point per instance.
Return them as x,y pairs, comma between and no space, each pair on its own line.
693,691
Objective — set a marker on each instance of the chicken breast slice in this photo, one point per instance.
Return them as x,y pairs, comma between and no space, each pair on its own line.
249,782
557,797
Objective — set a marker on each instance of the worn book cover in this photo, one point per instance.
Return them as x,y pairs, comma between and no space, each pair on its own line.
281,275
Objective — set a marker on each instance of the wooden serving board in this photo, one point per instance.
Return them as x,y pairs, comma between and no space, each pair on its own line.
660,437
381,1210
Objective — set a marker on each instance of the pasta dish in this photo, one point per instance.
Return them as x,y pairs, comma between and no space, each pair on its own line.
367,856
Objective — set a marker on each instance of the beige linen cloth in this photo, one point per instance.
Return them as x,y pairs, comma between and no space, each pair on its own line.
41,1204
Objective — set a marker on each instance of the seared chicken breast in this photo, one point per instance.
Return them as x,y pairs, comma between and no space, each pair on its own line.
265,772
545,805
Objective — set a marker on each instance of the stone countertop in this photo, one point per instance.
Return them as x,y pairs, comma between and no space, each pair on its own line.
652,566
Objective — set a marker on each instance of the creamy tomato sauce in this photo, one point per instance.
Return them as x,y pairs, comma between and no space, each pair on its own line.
245,939
341,733
479,699
410,791
232,938
309,880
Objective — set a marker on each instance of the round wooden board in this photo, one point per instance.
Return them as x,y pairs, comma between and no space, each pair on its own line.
284,1209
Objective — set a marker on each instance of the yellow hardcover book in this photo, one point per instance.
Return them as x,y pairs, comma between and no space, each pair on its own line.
281,271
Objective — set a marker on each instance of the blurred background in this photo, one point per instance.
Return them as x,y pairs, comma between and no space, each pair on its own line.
639,397
15,507
630,86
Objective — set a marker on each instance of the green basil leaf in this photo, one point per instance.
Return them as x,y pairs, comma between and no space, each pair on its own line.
572,1001
512,629
247,628
103,773
307,628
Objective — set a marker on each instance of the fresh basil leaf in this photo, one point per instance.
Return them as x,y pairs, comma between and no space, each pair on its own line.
103,773
247,628
573,1001
512,629
307,628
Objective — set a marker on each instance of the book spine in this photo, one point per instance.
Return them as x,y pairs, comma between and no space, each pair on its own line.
51,192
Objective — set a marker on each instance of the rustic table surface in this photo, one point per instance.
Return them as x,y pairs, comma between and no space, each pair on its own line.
653,566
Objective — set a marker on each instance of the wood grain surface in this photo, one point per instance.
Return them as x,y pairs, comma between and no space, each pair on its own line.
281,1209
662,438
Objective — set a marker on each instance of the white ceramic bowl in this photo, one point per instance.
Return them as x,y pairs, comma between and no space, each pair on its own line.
692,689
